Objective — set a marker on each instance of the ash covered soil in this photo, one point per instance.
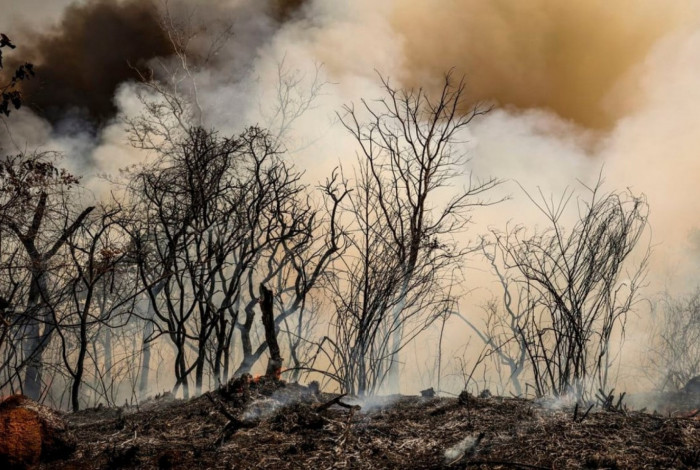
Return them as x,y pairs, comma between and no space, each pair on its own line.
288,426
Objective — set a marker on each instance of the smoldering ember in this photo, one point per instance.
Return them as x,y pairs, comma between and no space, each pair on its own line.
369,234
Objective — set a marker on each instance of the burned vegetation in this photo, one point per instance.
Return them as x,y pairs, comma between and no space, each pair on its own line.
266,423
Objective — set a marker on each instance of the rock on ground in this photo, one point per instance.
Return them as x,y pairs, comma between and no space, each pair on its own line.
31,433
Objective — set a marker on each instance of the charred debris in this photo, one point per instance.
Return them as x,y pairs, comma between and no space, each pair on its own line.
264,422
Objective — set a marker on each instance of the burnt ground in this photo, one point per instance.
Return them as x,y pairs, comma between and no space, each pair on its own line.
262,425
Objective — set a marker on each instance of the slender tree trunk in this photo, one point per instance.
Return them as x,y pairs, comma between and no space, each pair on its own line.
199,368
34,341
31,385
394,372
222,338
181,373
108,357
246,344
439,358
79,368
227,364
147,333
274,366
145,360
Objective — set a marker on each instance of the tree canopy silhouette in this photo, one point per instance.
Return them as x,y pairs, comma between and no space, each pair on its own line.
10,96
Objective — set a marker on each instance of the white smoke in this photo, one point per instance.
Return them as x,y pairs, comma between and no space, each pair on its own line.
651,145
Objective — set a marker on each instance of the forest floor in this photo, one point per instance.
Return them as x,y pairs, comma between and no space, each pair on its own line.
287,426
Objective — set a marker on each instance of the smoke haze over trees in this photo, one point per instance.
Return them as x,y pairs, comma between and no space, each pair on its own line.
172,158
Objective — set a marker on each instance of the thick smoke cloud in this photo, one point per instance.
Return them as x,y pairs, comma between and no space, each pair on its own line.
98,45
95,47
284,10
566,56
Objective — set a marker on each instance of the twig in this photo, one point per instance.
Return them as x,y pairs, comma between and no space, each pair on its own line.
349,407
221,407
234,424
584,415
335,401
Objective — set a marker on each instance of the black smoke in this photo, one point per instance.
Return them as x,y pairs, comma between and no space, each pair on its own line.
284,10
95,47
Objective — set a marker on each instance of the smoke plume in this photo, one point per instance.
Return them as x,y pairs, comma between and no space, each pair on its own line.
284,10
565,56
96,46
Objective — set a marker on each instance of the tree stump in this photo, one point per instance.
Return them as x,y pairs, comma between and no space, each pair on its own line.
30,433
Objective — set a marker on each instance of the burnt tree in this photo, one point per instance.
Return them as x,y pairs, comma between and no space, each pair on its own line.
33,184
274,365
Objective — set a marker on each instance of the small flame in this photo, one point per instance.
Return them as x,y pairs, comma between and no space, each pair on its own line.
258,378
277,375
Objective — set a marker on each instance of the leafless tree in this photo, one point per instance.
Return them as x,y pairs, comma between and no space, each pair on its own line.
14,284
499,334
675,340
34,184
295,262
295,95
101,289
251,223
219,217
567,291
396,278
194,208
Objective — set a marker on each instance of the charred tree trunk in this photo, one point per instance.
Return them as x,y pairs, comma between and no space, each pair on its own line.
224,334
246,327
274,366
200,361
80,368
